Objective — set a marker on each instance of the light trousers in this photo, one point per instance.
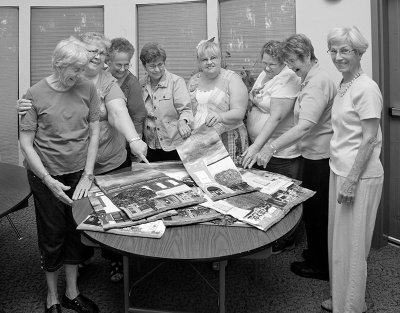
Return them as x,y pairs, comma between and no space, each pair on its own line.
350,231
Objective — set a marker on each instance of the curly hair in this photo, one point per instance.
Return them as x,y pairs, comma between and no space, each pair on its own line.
152,51
274,49
90,37
119,45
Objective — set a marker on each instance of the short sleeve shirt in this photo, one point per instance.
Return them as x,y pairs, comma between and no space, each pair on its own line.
285,85
314,104
61,120
363,100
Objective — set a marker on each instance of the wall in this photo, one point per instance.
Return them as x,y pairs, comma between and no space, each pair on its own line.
316,22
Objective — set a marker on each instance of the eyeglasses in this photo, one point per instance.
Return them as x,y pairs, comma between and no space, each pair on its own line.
120,66
212,59
271,65
97,52
343,51
152,67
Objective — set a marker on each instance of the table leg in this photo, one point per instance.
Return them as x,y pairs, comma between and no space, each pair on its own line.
222,265
14,228
125,260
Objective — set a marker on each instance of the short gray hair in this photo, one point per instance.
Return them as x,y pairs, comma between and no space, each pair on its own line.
69,52
350,35
90,37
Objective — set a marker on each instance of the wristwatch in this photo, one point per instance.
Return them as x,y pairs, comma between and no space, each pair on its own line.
89,176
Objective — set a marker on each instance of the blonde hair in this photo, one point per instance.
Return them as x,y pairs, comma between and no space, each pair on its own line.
69,52
206,48
350,35
91,37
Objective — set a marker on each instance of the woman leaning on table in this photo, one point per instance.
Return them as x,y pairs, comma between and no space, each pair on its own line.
59,139
270,114
312,133
167,101
356,172
219,99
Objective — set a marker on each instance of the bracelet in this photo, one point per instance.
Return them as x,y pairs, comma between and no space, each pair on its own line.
44,176
274,149
134,139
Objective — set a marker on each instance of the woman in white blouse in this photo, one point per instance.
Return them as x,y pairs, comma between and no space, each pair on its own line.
270,114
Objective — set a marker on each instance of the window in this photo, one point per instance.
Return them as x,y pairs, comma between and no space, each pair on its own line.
178,28
50,25
246,25
8,85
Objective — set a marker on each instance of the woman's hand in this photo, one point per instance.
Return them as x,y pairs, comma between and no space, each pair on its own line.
23,105
82,188
184,129
58,188
212,119
347,192
250,156
139,148
265,155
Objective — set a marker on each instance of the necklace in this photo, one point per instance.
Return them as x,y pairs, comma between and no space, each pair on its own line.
343,87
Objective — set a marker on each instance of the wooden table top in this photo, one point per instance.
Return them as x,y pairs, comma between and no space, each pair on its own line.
192,242
14,188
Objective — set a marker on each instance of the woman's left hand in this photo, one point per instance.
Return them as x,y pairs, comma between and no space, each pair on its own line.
212,119
264,156
184,129
347,192
82,188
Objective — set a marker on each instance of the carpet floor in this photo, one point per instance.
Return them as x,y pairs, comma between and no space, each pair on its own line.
252,286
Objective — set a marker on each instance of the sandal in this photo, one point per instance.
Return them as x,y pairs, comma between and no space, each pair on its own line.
116,273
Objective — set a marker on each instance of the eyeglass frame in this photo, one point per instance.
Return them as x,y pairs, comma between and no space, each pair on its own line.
152,67
97,52
120,66
342,51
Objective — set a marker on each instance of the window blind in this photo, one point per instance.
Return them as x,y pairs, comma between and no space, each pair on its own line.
50,25
8,84
246,25
178,28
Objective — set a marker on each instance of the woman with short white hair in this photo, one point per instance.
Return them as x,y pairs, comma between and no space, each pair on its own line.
356,177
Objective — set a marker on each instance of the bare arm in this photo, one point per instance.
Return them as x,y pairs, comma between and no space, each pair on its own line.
119,118
57,188
369,130
238,104
85,183
285,140
280,108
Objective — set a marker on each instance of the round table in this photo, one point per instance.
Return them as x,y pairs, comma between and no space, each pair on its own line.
14,190
192,243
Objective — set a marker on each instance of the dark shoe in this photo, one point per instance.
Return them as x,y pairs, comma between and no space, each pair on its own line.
80,304
307,270
55,308
281,245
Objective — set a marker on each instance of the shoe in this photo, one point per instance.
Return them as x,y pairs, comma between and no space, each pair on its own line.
307,270
116,273
281,245
327,305
80,304
55,308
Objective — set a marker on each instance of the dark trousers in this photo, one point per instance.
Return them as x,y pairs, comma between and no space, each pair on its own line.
315,216
155,155
59,241
288,167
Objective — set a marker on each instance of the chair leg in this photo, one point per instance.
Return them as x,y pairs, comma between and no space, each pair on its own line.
14,228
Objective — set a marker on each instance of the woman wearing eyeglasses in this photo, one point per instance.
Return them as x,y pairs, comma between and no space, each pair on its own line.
270,114
312,133
118,61
356,176
167,101
219,98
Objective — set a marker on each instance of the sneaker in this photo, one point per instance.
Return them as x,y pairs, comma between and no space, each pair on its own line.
327,305
281,245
